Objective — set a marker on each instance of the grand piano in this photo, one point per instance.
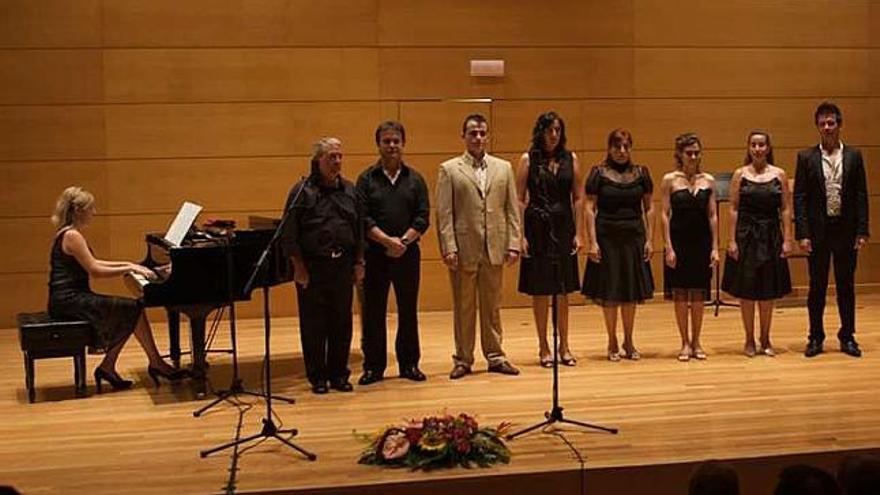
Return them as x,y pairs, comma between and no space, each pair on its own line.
205,275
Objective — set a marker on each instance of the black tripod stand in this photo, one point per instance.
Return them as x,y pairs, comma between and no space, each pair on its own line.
554,415
717,301
722,184
269,428
236,387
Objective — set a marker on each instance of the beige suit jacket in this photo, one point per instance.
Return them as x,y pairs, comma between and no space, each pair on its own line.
469,223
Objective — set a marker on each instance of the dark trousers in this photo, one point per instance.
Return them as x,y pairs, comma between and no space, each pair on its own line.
404,274
325,318
837,246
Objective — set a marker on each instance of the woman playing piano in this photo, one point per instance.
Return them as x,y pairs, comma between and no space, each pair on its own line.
113,319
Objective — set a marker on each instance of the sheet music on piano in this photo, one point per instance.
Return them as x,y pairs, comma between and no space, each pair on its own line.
182,223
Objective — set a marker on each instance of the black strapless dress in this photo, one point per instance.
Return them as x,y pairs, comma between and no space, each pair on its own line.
692,241
760,273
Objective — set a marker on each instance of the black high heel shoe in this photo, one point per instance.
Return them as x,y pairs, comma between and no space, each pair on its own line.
115,381
172,376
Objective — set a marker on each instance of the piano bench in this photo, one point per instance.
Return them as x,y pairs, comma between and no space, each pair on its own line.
42,337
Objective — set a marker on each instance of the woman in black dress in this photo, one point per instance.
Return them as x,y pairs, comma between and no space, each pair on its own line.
113,319
548,183
690,229
756,268
618,215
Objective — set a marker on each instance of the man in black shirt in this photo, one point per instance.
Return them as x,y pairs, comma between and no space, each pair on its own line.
395,203
324,240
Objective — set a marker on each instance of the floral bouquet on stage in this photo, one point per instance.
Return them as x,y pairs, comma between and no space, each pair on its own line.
437,441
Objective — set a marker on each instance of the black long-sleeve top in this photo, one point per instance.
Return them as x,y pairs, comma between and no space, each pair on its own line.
394,208
325,221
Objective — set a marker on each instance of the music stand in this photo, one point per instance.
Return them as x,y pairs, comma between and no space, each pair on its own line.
722,195
269,429
554,415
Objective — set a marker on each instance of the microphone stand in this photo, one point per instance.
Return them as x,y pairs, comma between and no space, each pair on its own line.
269,430
236,387
554,415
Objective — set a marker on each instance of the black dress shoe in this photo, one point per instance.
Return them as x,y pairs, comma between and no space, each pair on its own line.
458,371
172,376
851,348
814,348
413,373
341,385
112,378
320,388
370,376
504,368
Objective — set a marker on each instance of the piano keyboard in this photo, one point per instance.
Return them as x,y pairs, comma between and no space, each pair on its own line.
136,282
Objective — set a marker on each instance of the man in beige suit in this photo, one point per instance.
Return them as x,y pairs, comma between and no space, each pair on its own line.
479,230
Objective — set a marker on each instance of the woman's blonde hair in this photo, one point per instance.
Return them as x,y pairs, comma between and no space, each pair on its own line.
72,202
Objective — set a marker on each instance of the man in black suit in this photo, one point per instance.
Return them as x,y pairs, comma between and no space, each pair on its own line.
831,223
394,198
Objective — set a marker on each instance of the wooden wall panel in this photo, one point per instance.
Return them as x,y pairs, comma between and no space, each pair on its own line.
789,23
33,242
240,23
192,75
435,291
435,126
419,73
756,72
50,76
871,155
30,294
429,244
51,23
127,232
501,23
600,117
51,132
30,189
868,265
228,184
246,129
874,215
725,123
873,19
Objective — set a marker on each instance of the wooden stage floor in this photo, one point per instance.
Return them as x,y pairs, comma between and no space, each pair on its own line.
146,440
